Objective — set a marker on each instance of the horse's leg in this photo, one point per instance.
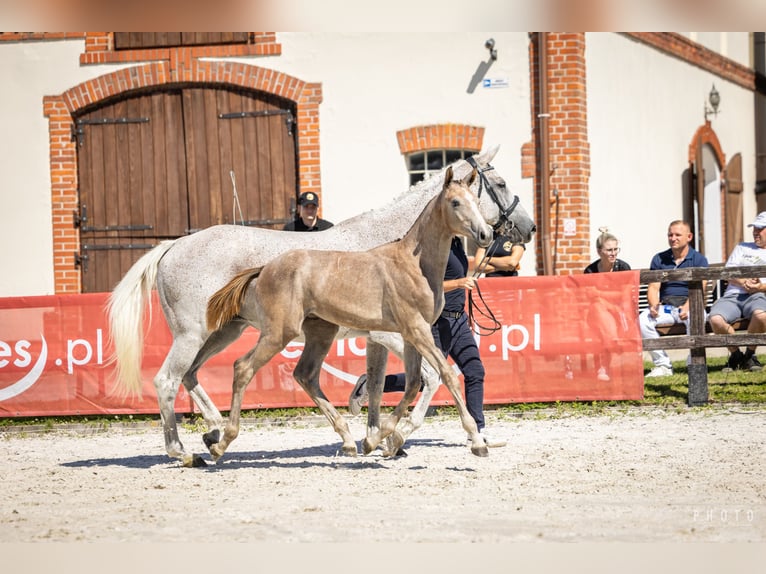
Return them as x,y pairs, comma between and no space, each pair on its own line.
377,358
214,344
421,338
320,336
166,383
244,369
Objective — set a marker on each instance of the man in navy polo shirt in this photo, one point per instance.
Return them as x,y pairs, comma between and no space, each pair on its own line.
674,294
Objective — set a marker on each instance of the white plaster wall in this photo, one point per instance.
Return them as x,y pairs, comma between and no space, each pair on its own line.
30,71
374,85
644,108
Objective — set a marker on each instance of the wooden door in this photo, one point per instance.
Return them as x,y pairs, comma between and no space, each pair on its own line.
733,203
132,183
161,165
242,161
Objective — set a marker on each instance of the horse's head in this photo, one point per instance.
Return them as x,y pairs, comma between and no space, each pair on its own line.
499,207
461,208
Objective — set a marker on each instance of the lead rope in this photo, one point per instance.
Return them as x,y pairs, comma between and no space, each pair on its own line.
484,311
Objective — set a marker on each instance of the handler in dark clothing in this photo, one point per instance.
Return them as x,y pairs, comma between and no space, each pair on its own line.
501,258
306,217
454,337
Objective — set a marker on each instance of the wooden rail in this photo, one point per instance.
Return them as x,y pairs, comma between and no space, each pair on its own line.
697,340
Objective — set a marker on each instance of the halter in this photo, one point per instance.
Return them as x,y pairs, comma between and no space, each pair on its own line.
505,213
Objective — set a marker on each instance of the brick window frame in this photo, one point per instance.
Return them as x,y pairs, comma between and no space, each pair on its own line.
182,67
460,138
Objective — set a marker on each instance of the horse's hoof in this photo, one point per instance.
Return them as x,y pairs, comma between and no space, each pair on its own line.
480,450
198,461
211,437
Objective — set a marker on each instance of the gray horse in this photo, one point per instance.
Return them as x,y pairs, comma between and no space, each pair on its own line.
188,270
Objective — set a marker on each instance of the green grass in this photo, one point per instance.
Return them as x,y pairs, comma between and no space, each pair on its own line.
724,388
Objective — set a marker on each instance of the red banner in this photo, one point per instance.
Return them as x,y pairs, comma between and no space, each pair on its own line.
554,334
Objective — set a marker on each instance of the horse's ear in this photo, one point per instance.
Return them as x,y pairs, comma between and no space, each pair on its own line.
488,155
448,176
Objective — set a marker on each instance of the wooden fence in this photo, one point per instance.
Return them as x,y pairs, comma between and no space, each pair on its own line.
697,340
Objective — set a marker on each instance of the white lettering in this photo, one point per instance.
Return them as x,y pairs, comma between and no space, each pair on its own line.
22,350
353,346
5,351
508,331
70,357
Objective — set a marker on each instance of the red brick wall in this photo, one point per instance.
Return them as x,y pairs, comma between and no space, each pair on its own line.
569,151
175,65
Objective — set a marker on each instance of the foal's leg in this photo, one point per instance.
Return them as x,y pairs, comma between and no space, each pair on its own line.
417,415
412,365
215,343
420,336
407,425
244,369
320,336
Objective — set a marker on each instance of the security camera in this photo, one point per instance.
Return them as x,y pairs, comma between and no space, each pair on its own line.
490,45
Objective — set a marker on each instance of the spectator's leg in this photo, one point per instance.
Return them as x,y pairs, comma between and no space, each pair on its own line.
648,325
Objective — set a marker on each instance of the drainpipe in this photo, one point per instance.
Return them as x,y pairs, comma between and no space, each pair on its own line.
543,117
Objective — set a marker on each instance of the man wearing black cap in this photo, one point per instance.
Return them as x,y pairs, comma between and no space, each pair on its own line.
306,217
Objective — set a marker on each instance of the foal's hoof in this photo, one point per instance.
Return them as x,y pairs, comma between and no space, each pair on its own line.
348,450
394,454
480,450
216,451
367,446
211,437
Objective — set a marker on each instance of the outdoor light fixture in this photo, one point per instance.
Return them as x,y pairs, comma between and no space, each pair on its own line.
490,45
714,98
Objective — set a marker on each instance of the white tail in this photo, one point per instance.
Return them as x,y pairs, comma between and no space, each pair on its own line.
125,309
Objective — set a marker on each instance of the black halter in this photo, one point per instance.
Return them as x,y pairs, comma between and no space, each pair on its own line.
505,212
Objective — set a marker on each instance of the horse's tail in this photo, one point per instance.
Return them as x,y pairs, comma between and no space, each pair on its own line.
225,303
125,309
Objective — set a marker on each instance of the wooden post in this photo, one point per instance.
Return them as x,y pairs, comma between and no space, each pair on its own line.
698,388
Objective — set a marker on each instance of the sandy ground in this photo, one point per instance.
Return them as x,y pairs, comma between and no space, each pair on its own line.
632,475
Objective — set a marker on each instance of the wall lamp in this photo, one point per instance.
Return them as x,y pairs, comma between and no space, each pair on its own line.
490,45
715,99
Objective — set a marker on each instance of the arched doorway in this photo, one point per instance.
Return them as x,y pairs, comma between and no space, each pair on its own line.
704,205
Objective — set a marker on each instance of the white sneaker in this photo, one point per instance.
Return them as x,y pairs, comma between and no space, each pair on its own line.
602,374
358,396
660,371
490,442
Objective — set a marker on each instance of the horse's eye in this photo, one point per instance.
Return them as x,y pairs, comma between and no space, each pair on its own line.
455,203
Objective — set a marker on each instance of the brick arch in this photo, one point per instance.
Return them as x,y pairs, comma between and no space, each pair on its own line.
180,68
706,135
440,136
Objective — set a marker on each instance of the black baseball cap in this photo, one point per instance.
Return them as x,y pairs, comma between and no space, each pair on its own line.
308,198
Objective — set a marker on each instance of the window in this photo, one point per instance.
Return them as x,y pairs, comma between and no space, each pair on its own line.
421,164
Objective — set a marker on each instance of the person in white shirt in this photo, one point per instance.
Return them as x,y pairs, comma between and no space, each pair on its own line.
744,297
